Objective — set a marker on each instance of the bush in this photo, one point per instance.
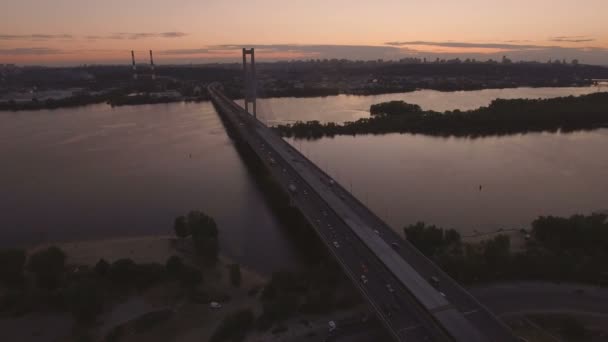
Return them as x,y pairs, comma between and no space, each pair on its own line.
102,267
235,275
234,327
122,272
174,265
12,262
48,266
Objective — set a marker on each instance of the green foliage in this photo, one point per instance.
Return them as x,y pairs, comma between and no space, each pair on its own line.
395,108
234,327
182,230
48,266
122,272
102,267
235,275
12,262
562,249
204,232
431,240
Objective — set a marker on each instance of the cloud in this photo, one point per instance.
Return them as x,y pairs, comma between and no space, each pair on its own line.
467,45
32,51
572,39
187,51
37,36
138,35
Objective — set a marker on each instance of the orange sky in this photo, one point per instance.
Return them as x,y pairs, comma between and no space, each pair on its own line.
87,31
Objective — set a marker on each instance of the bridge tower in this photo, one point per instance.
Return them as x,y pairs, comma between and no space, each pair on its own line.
250,81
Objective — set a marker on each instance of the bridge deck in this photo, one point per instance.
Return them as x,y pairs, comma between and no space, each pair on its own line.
414,308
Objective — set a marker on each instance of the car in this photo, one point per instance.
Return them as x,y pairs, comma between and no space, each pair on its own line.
376,231
363,279
305,193
215,305
336,244
390,288
434,280
395,245
442,294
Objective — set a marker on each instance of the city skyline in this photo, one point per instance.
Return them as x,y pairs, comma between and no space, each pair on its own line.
68,32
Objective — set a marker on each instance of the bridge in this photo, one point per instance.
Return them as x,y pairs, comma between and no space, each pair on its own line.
412,297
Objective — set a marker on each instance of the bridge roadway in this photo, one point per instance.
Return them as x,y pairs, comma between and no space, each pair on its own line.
412,309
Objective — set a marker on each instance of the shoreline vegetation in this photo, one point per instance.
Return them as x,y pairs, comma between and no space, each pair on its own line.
556,249
501,117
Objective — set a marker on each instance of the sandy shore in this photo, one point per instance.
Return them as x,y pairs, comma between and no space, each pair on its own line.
140,249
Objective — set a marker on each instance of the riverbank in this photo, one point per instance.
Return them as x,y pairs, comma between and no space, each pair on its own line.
164,311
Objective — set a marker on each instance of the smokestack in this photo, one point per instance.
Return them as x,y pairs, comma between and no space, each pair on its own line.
152,66
134,67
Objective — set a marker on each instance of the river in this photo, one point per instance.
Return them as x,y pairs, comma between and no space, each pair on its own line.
100,172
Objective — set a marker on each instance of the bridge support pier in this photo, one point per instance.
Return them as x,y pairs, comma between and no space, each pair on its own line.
250,81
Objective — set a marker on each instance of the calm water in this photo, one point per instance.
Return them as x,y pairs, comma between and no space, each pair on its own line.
343,108
97,172
407,178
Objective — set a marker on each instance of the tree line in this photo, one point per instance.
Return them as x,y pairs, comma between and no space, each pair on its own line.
558,249
499,118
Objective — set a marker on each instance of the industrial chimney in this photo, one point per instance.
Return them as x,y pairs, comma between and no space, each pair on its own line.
152,66
134,67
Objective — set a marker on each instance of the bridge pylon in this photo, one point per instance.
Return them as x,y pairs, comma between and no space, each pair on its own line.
250,81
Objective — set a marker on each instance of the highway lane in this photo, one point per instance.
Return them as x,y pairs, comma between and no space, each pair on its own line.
482,318
392,306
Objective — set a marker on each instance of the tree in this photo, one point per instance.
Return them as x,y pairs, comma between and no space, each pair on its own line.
181,227
12,262
235,275
48,266
102,267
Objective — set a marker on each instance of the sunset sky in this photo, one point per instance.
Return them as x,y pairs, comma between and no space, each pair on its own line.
64,32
